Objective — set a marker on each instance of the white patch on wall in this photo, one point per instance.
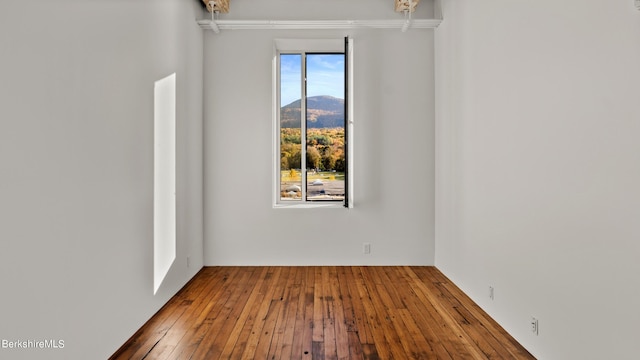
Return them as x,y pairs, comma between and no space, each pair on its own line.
164,197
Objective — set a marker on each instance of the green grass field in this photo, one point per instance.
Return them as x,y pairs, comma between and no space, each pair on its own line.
294,175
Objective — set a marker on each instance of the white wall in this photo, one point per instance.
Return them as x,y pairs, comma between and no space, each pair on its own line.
394,149
76,167
538,166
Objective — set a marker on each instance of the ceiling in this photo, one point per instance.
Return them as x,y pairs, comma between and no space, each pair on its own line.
222,6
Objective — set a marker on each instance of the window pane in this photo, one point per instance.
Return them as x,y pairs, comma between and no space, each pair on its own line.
325,155
290,127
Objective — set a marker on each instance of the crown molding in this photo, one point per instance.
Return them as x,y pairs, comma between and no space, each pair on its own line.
218,25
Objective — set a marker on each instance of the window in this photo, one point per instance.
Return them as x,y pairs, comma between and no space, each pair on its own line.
312,124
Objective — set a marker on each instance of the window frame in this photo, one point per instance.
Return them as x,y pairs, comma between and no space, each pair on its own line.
303,47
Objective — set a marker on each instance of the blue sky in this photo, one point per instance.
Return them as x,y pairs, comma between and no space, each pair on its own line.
325,76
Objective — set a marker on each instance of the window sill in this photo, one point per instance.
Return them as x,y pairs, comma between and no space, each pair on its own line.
309,206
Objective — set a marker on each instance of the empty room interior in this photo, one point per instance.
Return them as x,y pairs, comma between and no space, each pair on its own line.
493,143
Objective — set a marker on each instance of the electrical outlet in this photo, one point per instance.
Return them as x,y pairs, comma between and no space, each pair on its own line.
491,292
366,248
534,325
188,262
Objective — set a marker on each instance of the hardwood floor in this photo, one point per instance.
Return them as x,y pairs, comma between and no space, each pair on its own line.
348,312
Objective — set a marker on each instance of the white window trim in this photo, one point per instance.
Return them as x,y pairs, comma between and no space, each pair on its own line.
309,45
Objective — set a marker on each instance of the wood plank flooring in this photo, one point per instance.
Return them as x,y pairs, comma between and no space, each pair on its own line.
328,312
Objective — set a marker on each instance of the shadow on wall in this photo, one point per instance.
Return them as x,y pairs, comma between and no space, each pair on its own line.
164,187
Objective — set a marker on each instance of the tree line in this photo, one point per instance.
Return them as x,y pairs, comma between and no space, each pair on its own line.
325,149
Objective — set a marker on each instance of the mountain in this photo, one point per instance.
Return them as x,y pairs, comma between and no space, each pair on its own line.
323,112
